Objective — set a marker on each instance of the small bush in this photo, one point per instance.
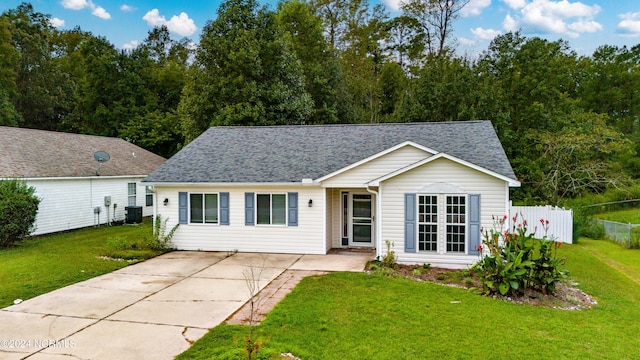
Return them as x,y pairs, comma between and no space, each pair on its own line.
389,259
18,210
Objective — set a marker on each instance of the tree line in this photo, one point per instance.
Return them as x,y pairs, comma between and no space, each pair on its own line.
569,123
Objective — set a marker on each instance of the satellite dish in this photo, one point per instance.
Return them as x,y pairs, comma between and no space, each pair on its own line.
101,157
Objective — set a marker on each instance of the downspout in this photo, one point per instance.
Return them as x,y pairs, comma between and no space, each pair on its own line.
377,217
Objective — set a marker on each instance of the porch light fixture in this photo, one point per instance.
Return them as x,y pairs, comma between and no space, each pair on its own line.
166,201
310,202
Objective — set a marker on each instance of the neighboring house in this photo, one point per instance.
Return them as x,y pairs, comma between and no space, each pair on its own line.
71,184
428,188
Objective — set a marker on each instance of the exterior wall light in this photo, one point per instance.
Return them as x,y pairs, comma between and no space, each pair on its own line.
310,202
166,201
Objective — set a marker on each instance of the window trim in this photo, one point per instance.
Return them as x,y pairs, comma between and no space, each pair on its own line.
148,194
203,208
431,223
442,223
285,209
131,195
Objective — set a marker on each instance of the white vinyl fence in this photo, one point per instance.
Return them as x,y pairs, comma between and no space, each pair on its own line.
560,221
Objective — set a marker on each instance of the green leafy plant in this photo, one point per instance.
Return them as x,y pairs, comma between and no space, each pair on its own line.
161,240
18,210
389,259
515,260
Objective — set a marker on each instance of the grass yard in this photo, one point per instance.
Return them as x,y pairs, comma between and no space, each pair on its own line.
631,216
46,263
360,316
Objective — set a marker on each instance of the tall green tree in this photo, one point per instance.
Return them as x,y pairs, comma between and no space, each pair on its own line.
245,73
42,90
8,60
323,80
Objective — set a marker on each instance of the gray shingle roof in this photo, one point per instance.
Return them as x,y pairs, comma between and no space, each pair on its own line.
292,153
29,153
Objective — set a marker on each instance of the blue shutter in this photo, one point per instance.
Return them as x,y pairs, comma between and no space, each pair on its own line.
410,223
474,223
183,208
293,208
224,208
249,209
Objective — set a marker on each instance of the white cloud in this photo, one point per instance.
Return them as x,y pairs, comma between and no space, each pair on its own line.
130,45
485,34
101,13
552,17
127,8
96,10
474,8
466,42
180,24
74,4
393,5
509,23
630,24
56,23
515,4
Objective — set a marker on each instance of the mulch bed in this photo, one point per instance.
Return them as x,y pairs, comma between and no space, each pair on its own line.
566,297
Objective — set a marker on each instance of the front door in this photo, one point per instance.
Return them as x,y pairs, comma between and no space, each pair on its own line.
361,220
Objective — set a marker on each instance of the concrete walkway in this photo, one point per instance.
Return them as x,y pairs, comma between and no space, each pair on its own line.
152,310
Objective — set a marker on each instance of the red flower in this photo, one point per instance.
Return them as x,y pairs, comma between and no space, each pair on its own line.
524,222
505,217
480,248
542,221
547,222
559,243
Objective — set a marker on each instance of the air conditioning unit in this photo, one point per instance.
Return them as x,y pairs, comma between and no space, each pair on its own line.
133,214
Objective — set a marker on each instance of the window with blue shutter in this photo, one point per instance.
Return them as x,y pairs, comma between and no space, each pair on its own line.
249,209
474,223
410,223
183,208
292,198
224,208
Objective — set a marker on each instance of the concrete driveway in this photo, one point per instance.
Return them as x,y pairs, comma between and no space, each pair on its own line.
152,310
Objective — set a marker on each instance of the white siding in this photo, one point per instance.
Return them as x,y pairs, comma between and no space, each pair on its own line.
493,202
306,238
331,214
68,204
361,174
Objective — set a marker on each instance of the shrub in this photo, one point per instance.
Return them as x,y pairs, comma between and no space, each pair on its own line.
18,209
517,261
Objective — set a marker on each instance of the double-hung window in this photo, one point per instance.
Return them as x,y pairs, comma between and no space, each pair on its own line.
456,223
271,209
131,190
442,212
427,223
203,208
148,196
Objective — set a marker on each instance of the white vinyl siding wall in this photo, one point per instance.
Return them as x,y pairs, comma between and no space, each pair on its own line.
362,174
493,201
306,238
68,203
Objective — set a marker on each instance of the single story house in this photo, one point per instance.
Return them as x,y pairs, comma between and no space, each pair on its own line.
428,188
75,189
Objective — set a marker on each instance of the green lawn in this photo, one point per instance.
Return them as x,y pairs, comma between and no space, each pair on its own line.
46,263
631,216
360,316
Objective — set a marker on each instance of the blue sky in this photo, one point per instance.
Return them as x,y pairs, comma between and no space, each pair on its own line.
585,24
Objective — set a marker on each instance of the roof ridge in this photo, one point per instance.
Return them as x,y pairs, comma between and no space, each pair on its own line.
448,122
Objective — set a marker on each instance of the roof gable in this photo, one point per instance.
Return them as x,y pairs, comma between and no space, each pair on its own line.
29,153
376,182
376,156
286,154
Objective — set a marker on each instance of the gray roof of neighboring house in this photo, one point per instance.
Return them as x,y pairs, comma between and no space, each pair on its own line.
292,153
29,153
